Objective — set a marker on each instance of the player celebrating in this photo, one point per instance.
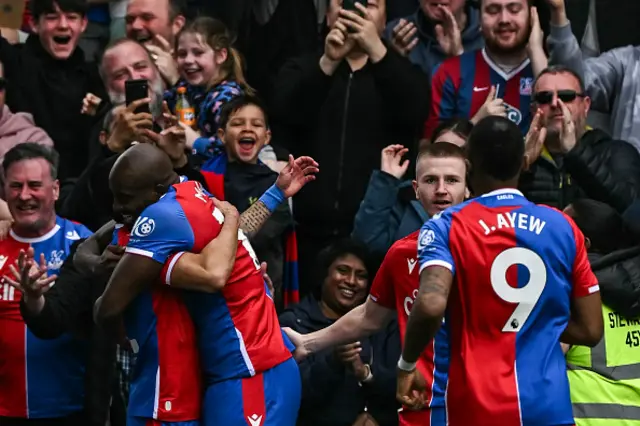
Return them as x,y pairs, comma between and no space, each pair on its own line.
519,281
440,171
249,372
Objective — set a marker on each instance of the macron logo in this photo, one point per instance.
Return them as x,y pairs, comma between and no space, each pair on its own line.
412,265
255,420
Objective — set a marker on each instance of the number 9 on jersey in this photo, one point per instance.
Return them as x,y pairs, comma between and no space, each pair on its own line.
526,296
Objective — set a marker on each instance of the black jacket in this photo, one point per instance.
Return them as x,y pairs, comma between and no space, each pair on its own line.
52,91
344,121
69,308
618,275
598,167
331,396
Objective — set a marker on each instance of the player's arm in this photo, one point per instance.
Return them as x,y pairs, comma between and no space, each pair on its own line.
428,310
585,325
209,270
160,231
360,322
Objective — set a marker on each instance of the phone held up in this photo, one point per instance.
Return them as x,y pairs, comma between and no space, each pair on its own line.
135,90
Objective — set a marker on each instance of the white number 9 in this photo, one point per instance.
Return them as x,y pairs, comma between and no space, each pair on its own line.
526,296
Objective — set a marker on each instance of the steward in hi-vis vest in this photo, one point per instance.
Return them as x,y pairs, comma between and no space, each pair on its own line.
605,380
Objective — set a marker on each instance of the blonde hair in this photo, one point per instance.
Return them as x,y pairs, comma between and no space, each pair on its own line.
216,34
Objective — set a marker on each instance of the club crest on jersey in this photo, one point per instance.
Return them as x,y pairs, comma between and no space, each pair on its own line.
526,86
56,259
513,113
427,238
143,227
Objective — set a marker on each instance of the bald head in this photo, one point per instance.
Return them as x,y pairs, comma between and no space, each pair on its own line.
140,176
143,165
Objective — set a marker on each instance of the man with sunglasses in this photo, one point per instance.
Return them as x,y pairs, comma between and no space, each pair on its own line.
574,161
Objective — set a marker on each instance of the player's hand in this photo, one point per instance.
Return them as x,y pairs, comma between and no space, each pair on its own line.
404,37
568,138
162,55
492,106
90,104
391,161
298,340
267,278
128,126
28,277
109,259
363,30
448,34
410,389
534,141
227,209
296,175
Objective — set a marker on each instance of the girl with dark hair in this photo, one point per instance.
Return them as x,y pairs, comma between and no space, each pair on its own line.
605,380
338,386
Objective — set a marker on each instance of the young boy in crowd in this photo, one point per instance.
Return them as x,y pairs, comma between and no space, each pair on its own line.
235,174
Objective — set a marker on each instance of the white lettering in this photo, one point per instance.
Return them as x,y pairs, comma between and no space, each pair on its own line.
514,220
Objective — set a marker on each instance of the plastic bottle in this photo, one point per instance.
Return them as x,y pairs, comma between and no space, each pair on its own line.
185,111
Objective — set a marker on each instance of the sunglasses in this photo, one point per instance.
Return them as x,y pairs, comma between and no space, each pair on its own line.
546,97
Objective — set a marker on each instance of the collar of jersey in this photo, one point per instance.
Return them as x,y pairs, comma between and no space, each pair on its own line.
45,237
502,191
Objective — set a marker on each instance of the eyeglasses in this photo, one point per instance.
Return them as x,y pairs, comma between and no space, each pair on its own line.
3,83
546,96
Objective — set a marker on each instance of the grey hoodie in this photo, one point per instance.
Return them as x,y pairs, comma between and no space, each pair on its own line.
612,80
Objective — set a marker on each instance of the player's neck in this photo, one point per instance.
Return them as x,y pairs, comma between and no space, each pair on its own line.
511,60
485,186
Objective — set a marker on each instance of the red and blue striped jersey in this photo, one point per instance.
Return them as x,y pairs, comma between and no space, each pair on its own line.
38,378
166,379
460,86
237,328
516,266
396,287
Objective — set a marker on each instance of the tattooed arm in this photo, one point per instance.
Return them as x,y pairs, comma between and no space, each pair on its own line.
253,218
428,310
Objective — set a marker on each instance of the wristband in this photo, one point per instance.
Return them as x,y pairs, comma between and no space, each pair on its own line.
272,198
406,366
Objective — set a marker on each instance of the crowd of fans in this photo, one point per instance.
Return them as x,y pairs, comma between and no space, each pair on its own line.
383,96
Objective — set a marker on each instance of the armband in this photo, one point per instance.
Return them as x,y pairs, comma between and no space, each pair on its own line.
272,198
406,366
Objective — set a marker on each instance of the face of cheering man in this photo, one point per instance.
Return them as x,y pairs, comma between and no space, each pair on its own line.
506,25
440,181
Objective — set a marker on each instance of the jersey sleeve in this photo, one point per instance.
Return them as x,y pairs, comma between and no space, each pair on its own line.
583,279
443,96
382,288
433,244
161,230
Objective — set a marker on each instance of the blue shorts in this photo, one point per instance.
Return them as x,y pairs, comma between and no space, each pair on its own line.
141,421
436,416
271,398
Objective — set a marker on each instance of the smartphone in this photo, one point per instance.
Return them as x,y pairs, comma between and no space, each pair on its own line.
134,90
351,5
